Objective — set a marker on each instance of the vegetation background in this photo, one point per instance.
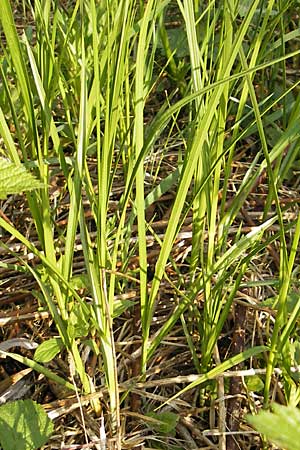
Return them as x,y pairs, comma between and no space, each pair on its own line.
150,270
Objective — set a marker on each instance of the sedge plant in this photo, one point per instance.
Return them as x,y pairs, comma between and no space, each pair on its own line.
77,93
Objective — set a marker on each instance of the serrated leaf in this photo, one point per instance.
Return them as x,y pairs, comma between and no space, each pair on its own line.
166,421
281,426
48,350
24,425
15,179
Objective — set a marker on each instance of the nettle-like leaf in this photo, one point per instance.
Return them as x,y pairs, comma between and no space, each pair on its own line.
281,427
24,425
15,179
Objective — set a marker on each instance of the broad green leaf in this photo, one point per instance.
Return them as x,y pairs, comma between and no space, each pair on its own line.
166,421
48,350
79,282
178,42
254,383
15,179
24,425
78,325
243,7
281,426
